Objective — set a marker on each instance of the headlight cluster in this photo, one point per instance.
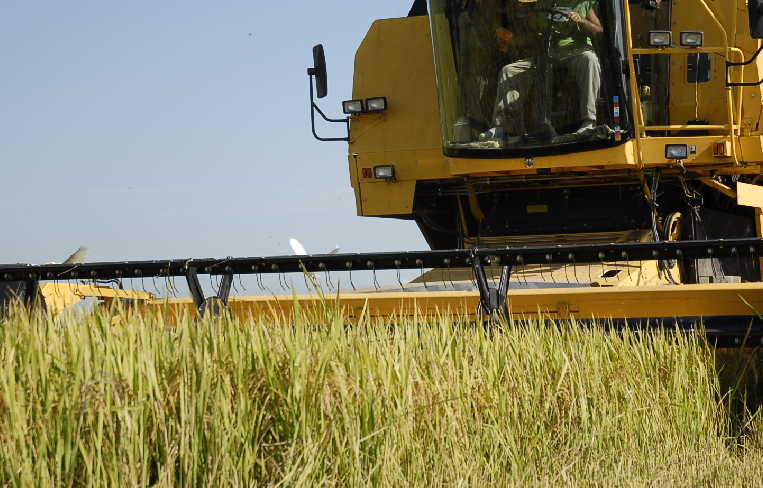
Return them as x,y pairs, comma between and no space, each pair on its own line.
677,151
665,38
367,106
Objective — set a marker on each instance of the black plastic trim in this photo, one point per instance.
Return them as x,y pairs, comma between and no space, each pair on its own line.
557,150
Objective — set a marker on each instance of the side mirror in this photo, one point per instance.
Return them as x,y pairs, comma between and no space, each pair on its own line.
755,9
319,70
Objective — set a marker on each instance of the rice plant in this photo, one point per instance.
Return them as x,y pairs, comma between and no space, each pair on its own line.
311,401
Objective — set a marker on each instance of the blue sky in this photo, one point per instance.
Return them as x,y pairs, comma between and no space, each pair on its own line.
149,130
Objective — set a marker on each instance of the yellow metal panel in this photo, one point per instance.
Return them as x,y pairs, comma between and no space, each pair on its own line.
719,187
395,60
719,299
91,291
619,156
654,150
700,101
751,148
387,198
59,296
424,164
749,195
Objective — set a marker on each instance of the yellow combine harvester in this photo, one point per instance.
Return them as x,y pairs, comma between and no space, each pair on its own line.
592,158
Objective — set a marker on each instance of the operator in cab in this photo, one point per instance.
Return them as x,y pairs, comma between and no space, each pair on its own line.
551,37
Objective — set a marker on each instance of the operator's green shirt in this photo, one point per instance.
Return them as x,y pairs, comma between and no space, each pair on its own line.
570,35
532,21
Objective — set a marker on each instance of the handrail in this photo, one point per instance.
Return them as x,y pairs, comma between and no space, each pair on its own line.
678,50
638,115
688,127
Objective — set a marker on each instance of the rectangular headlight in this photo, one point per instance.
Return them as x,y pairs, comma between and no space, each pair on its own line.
351,107
692,38
384,172
660,38
676,151
378,104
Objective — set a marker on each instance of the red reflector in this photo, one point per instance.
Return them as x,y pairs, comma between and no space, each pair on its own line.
368,172
720,149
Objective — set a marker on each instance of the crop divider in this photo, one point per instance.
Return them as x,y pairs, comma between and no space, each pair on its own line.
493,299
213,305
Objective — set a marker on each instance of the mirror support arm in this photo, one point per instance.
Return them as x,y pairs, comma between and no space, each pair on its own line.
315,108
754,57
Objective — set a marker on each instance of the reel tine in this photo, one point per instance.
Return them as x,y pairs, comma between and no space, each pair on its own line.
255,269
241,282
397,270
574,268
173,287
549,258
282,282
372,266
167,285
522,273
472,278
420,264
265,288
571,258
627,264
235,288
212,283
171,283
153,281
259,282
327,278
348,265
449,273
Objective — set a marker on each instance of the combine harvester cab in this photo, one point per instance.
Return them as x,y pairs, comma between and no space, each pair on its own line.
591,159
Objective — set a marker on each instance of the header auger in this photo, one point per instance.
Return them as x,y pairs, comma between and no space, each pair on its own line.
585,159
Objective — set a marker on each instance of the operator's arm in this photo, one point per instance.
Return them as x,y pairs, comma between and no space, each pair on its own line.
591,24
505,38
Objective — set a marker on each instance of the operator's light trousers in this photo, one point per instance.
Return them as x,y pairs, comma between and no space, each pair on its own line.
516,79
